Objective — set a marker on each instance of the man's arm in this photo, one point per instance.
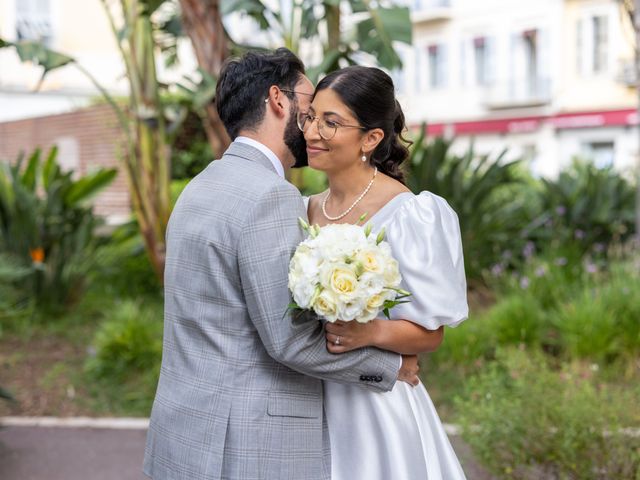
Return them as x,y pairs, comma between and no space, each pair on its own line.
266,245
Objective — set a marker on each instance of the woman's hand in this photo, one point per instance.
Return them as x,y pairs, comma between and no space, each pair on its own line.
400,336
345,336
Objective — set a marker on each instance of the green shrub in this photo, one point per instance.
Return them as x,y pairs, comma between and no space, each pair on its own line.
586,206
488,194
47,224
122,372
550,277
525,420
516,319
189,161
314,181
128,343
602,322
123,269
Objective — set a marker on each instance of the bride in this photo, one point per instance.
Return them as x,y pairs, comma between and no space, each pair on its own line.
353,133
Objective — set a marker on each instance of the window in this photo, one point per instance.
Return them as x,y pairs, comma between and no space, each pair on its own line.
592,44
600,43
530,39
601,153
436,66
481,60
418,73
33,20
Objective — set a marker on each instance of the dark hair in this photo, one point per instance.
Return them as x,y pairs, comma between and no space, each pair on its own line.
369,93
244,84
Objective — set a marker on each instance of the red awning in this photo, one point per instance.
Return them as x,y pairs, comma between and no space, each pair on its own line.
559,121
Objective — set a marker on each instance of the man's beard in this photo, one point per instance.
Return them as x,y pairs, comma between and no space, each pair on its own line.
294,140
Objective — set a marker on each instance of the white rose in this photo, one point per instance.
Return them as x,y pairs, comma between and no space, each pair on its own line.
392,276
367,315
326,306
371,260
375,302
341,279
350,310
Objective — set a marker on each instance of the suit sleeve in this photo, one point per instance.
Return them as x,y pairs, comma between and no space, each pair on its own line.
266,244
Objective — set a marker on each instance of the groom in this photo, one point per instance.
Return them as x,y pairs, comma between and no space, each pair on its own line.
240,395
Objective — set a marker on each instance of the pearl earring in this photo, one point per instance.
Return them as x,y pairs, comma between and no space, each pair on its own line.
363,157
266,100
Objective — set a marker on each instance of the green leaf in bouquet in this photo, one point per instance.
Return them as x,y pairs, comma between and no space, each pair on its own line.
380,236
303,224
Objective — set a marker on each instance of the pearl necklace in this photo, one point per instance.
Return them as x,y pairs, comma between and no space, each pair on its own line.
346,212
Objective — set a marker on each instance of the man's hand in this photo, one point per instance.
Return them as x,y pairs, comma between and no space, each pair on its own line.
409,370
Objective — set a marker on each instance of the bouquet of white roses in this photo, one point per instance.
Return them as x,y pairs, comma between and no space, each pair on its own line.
342,272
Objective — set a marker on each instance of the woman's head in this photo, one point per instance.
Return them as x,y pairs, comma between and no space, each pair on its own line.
362,100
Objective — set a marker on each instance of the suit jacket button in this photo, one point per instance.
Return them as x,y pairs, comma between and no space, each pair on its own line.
378,378
363,378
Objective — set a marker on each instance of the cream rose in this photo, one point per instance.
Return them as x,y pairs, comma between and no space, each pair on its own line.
326,306
370,261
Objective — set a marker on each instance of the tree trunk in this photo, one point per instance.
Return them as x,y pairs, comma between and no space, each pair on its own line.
202,21
332,17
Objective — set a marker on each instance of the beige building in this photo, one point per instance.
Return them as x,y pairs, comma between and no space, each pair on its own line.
550,79
78,28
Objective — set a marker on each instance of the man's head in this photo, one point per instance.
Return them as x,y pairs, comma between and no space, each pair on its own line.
262,92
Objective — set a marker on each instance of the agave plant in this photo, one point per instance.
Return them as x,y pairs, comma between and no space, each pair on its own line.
586,206
47,225
484,191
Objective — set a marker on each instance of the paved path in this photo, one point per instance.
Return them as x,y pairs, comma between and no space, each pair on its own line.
82,450
55,453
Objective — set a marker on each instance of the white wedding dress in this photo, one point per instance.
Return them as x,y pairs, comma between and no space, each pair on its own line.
398,435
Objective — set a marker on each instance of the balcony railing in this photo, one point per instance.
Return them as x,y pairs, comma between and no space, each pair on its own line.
525,92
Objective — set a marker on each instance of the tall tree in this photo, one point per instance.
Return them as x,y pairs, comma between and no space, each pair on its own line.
202,22
300,25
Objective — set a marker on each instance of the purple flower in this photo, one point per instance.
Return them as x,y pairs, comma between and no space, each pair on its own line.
528,250
497,270
592,267
579,234
541,271
561,210
598,247
507,254
524,283
561,262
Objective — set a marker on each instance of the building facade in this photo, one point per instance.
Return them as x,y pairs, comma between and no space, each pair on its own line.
549,80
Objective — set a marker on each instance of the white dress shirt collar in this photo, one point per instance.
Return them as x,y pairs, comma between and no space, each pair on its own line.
277,164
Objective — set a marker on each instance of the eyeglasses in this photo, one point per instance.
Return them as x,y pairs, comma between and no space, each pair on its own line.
326,128
296,91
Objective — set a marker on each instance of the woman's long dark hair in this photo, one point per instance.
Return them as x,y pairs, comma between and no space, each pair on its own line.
369,93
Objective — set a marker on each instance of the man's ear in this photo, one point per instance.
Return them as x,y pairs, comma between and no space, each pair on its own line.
276,101
372,139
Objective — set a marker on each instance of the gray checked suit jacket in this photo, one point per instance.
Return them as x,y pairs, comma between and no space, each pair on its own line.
240,391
